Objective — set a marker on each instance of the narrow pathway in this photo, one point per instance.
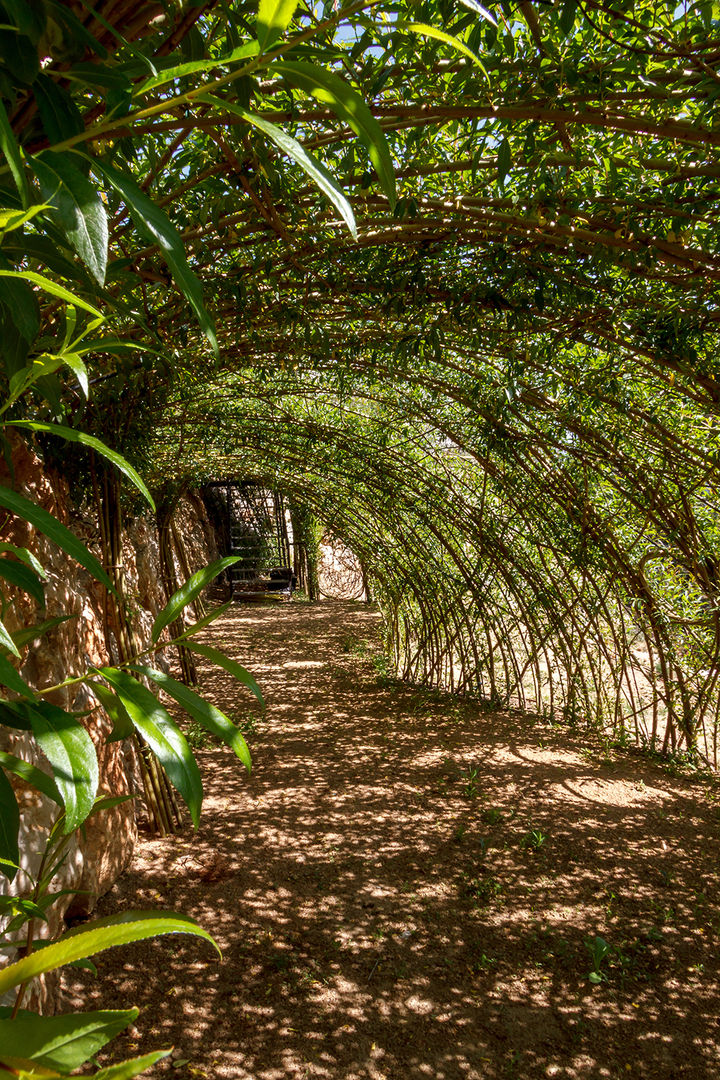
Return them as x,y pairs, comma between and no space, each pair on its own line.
407,885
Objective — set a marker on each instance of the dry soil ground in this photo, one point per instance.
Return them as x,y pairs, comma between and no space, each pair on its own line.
407,885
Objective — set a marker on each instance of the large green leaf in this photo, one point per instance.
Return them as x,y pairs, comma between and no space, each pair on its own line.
73,435
162,735
95,937
273,19
71,753
9,825
60,1042
188,592
38,779
314,169
155,226
347,104
55,531
231,666
207,715
80,210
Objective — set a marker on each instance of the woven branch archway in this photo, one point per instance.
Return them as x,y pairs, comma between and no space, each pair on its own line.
503,395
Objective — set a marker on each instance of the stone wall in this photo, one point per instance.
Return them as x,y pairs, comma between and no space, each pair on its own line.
97,857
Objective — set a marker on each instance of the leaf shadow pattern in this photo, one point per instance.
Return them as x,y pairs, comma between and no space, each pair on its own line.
380,921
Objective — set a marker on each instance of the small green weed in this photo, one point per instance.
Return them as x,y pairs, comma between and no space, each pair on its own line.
533,840
483,964
247,722
383,671
198,738
599,952
492,816
481,890
472,782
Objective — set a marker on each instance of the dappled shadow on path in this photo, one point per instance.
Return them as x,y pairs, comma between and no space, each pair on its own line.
405,885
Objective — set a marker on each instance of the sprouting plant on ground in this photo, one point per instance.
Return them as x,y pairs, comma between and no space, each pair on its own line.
472,782
492,815
599,951
482,889
247,721
482,964
533,840
197,736
383,669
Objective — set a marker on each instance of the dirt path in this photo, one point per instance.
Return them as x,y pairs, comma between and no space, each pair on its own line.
404,887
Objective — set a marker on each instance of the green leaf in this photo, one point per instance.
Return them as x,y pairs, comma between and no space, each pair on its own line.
122,724
347,104
73,435
162,735
273,19
21,305
78,207
206,620
15,219
60,116
77,366
209,717
231,666
59,534
482,11
567,16
195,67
107,802
155,226
61,1042
425,30
23,578
188,592
95,937
26,557
109,78
11,150
115,346
37,778
53,288
11,678
71,753
7,642
310,165
504,160
32,633
9,825
125,1070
